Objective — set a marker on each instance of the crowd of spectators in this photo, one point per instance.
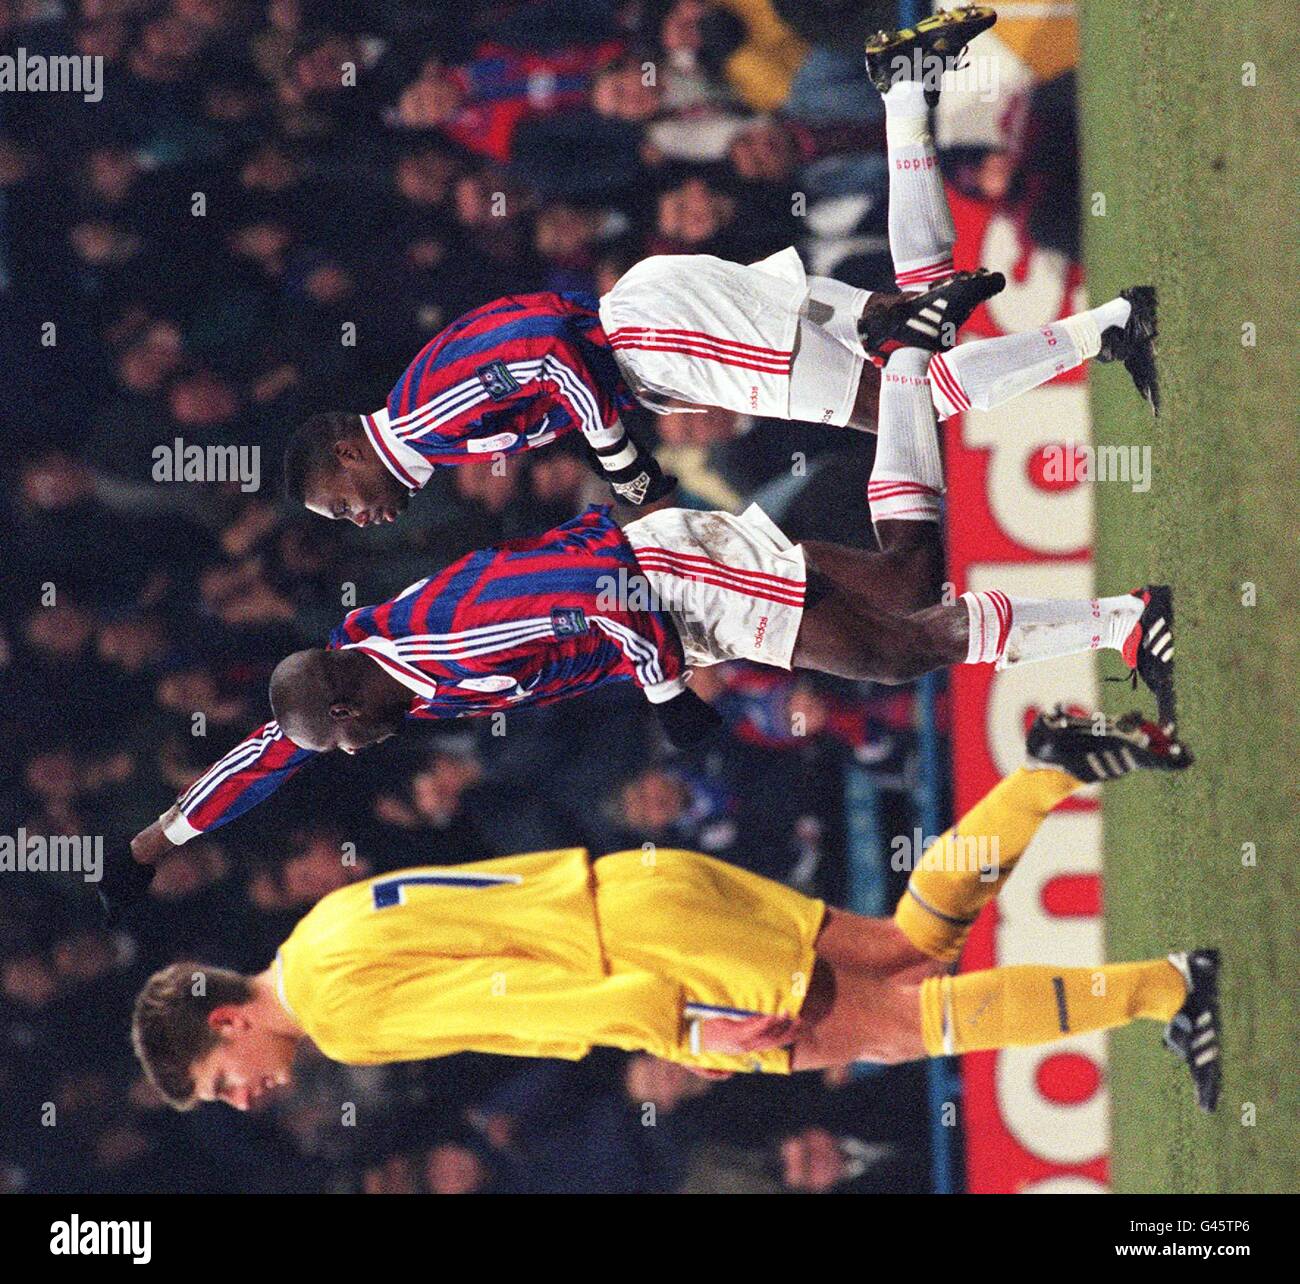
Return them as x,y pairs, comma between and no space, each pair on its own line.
272,207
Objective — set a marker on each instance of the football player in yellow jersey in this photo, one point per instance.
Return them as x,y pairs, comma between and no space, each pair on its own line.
678,955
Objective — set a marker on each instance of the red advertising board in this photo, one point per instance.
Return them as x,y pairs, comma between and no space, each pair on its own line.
1035,1119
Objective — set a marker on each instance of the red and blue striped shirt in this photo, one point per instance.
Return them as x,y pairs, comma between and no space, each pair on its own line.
529,622
509,376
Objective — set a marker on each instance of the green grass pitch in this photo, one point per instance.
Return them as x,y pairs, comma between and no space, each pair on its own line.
1196,169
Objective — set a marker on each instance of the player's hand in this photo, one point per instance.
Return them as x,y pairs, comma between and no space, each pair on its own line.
667,500
150,845
750,1034
123,884
687,720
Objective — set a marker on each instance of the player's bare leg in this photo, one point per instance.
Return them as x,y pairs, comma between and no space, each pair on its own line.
849,636
877,1003
905,576
889,600
851,940
847,633
871,1016
862,1003
904,490
858,1014
866,404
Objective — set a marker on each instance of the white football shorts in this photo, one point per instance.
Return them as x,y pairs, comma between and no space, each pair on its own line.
708,332
733,586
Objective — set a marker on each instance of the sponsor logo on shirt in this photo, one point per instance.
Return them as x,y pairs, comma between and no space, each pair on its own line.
490,684
486,445
760,633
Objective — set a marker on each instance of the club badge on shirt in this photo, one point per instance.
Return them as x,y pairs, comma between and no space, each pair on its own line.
497,380
568,621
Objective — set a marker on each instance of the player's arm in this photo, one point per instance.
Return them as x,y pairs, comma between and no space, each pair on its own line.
253,770
653,652
255,767
151,844
585,379
552,384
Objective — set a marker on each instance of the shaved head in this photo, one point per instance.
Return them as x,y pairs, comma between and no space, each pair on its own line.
326,699
302,690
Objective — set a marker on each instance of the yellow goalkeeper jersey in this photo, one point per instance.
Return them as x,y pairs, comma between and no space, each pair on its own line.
547,955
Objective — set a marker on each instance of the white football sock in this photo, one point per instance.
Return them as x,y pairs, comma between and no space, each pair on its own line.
1116,312
988,372
907,476
921,234
1016,630
1085,328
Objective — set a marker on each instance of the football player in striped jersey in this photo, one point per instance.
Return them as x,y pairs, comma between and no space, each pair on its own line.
552,616
681,331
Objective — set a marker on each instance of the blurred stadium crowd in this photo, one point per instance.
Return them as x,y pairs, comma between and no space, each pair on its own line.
199,238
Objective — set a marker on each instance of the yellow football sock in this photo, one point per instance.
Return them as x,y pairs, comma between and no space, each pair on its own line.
1016,1007
965,867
